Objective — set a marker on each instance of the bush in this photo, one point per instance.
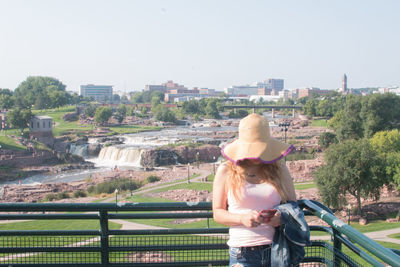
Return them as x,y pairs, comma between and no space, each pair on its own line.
50,197
79,193
152,179
109,187
62,195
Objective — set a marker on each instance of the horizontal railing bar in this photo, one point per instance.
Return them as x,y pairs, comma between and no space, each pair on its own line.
174,264
170,231
132,206
49,232
192,263
47,216
159,215
50,249
58,265
170,247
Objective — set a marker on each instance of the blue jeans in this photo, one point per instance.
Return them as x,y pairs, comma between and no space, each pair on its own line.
244,257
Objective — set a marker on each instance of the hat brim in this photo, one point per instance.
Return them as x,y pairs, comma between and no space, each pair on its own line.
267,152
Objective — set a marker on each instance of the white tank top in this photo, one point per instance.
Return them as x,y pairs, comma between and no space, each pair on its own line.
253,197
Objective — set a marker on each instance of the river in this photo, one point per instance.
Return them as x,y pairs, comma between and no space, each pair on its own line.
127,155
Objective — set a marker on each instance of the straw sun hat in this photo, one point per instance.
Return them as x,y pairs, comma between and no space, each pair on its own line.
255,142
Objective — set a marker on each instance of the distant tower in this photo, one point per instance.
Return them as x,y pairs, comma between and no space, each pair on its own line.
344,84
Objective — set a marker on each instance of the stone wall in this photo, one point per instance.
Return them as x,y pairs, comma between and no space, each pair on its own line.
301,170
28,159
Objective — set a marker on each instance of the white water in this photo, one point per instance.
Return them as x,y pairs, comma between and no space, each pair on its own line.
111,156
80,150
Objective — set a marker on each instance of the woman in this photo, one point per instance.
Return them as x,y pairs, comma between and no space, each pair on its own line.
251,181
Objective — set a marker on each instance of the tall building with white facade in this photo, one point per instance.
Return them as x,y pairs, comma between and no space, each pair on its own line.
243,90
98,92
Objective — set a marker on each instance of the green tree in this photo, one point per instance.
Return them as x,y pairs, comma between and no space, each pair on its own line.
137,98
6,101
116,98
349,124
211,108
58,98
192,107
90,111
387,145
324,108
380,112
120,113
102,115
326,139
19,118
310,107
162,113
351,167
34,87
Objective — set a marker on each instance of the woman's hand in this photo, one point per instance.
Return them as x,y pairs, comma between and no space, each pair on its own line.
251,219
276,220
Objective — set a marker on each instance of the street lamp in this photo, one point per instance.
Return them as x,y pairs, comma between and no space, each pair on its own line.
116,196
130,183
214,165
348,212
188,173
285,126
197,159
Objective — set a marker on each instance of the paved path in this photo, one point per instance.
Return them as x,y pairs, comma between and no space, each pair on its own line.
377,236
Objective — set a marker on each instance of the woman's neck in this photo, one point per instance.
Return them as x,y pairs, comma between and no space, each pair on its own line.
253,175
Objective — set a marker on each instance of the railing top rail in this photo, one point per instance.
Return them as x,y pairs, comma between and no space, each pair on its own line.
131,206
370,245
263,106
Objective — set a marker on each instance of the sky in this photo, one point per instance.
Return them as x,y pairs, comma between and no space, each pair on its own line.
200,43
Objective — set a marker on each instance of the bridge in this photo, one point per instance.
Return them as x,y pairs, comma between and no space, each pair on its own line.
272,107
149,245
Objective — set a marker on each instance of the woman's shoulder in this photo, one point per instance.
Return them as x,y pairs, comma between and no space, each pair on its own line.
222,171
224,167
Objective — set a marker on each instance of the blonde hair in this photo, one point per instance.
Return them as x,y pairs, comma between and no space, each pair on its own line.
270,174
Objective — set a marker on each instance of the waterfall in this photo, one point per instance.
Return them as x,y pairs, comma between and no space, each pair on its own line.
119,156
80,150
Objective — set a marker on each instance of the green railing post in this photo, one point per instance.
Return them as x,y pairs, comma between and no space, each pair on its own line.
104,238
337,245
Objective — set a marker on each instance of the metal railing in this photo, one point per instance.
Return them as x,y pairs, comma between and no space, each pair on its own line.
154,246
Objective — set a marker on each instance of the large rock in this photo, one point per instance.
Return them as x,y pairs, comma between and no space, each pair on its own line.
205,153
181,154
158,157
94,149
73,116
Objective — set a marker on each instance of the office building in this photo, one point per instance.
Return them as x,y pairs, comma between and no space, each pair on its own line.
275,84
344,83
97,92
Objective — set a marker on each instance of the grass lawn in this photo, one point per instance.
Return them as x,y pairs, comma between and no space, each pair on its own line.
193,185
57,225
373,226
9,143
319,123
63,127
395,235
303,186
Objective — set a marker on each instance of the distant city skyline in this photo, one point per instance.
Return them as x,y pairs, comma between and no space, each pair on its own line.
212,44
